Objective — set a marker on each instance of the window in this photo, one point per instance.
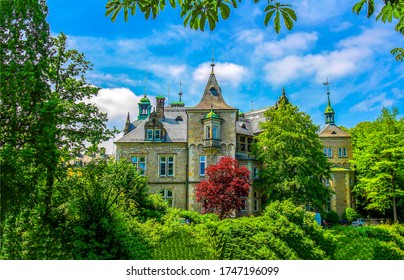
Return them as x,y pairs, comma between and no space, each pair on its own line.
140,163
208,132
167,196
215,132
250,141
157,134
150,134
256,199
255,172
166,166
342,152
328,152
242,143
202,165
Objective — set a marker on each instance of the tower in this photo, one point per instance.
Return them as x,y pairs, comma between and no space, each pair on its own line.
329,111
144,108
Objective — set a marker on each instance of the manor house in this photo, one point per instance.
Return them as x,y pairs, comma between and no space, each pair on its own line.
173,144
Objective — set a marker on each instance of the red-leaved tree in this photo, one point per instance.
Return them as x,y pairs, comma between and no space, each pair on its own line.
225,189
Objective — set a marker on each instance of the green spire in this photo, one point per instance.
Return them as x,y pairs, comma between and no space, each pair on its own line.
329,111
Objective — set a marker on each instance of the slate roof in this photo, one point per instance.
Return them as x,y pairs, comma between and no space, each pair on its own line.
249,124
176,130
212,96
331,130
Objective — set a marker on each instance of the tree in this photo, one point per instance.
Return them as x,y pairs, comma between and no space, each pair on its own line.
44,118
198,13
379,161
225,189
294,162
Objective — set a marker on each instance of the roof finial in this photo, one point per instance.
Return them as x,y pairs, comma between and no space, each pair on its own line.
252,104
327,84
213,60
145,84
180,93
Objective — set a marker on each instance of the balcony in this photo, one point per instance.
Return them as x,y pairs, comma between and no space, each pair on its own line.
211,143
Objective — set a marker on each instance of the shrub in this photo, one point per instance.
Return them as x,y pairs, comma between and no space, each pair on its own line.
332,217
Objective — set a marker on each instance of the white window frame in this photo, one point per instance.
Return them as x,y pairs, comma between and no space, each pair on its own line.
207,132
149,135
202,161
342,152
168,196
328,152
138,162
166,166
215,132
157,134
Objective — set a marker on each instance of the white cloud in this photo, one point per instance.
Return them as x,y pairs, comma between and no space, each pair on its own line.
334,64
292,44
316,12
226,72
250,36
168,71
341,26
116,102
374,102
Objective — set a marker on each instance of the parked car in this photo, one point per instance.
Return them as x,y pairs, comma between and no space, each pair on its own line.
358,223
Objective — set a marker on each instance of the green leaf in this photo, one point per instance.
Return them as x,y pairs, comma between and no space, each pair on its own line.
358,7
277,22
211,20
268,17
224,11
202,23
287,20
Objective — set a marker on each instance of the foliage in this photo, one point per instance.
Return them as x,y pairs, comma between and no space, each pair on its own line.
225,189
293,157
369,243
350,215
284,231
96,214
44,118
332,217
378,149
198,14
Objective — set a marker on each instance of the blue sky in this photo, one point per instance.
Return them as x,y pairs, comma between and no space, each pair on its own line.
253,63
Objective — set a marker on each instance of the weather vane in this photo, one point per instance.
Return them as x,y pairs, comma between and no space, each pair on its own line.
327,84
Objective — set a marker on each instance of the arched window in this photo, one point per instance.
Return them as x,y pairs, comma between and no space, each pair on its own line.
167,195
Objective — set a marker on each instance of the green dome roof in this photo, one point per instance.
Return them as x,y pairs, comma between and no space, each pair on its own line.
145,100
160,97
329,109
212,115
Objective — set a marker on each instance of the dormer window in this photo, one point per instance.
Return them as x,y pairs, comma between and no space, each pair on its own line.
213,91
150,134
154,134
157,134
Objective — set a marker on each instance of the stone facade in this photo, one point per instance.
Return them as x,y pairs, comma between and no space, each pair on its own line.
338,150
174,144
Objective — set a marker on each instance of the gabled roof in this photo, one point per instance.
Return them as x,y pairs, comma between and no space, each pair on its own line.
212,96
331,130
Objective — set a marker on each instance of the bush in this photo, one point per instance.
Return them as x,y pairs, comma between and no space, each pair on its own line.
350,215
332,217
